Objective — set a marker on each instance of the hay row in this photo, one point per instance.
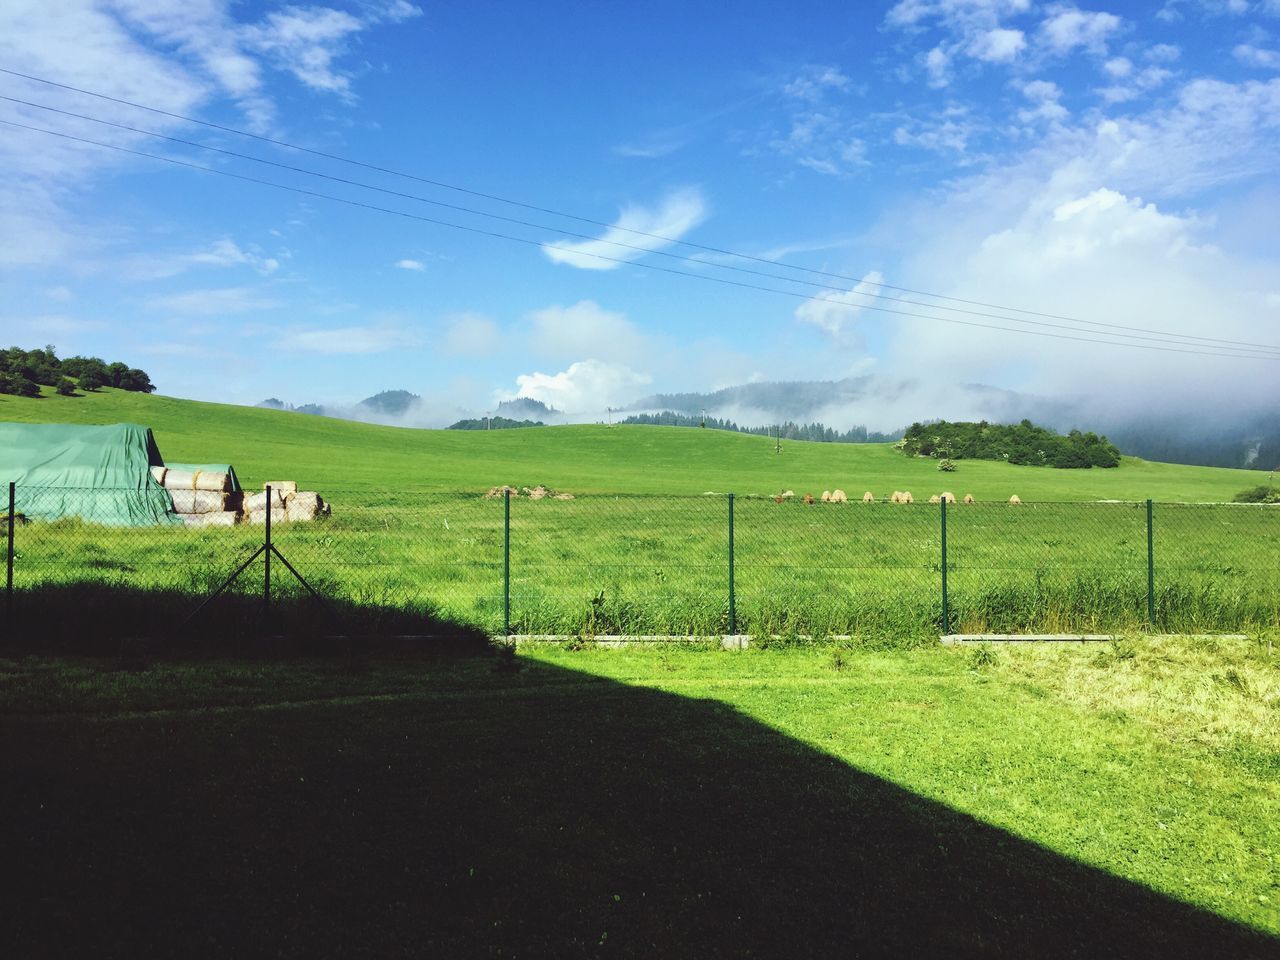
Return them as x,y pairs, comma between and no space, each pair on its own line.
898,496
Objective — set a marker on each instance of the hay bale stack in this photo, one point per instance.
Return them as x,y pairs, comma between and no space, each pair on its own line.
948,496
1015,500
306,505
968,498
199,501
907,497
934,499
197,480
278,515
222,518
254,502
868,497
839,496
826,496
285,488
157,474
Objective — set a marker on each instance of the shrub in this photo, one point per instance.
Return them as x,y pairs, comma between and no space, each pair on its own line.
947,465
65,387
1261,494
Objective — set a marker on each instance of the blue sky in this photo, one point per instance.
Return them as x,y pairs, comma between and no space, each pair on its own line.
1112,163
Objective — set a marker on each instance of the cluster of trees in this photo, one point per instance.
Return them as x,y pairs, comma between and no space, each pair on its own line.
1262,494
493,423
1023,443
789,430
24,372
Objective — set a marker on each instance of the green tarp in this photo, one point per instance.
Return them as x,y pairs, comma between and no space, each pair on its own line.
101,474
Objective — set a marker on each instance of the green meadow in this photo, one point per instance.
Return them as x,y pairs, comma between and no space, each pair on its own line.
644,546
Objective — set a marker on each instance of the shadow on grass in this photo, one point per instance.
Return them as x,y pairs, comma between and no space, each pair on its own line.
531,812
101,618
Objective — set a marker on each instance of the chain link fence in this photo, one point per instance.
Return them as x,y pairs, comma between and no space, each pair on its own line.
403,562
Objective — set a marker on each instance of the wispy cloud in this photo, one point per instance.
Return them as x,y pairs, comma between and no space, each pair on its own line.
346,340
214,302
415,265
637,227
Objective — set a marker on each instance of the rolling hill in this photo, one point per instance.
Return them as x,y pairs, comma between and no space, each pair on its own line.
339,455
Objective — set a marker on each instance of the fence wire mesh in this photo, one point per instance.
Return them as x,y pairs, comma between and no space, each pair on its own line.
643,565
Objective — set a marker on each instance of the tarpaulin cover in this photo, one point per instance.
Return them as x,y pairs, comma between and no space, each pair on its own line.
101,474
209,468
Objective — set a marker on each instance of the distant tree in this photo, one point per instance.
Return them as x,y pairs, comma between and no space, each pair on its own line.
135,380
16,385
65,387
93,379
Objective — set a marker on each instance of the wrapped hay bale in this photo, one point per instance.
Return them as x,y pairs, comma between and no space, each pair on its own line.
286,488
198,501
278,515
258,501
839,496
968,498
209,480
868,497
221,518
306,505
179,480
157,474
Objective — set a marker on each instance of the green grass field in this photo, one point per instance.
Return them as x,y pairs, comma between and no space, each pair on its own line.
651,564
343,458
1103,800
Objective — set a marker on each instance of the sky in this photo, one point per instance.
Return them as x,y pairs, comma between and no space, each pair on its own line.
1104,166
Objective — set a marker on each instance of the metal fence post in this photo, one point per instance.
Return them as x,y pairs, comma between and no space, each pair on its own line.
8,555
506,561
266,567
946,609
1151,569
733,602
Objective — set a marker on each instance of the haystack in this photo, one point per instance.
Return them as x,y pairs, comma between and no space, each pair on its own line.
948,496
305,505
826,496
896,498
907,497
537,493
839,496
200,501
496,493
808,498
868,497
197,480
258,501
222,518
934,498
1015,499
968,498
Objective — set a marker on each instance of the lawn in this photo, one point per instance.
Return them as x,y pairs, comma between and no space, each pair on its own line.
352,462
1097,800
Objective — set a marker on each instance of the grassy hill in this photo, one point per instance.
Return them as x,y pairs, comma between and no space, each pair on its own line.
337,455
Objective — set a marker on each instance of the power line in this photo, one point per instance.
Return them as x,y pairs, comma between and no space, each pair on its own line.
1102,326
1174,339
537,243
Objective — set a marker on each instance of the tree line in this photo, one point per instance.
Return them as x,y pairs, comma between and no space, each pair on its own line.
24,372
788,430
1023,443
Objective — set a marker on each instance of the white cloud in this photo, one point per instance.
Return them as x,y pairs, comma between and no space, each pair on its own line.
814,82
472,335
415,265
1068,28
1163,53
1044,96
585,329
214,302
223,252
998,46
1118,67
584,387
1260,57
346,340
834,312
637,227
1136,85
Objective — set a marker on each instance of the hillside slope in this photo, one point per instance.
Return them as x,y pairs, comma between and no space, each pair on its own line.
339,455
